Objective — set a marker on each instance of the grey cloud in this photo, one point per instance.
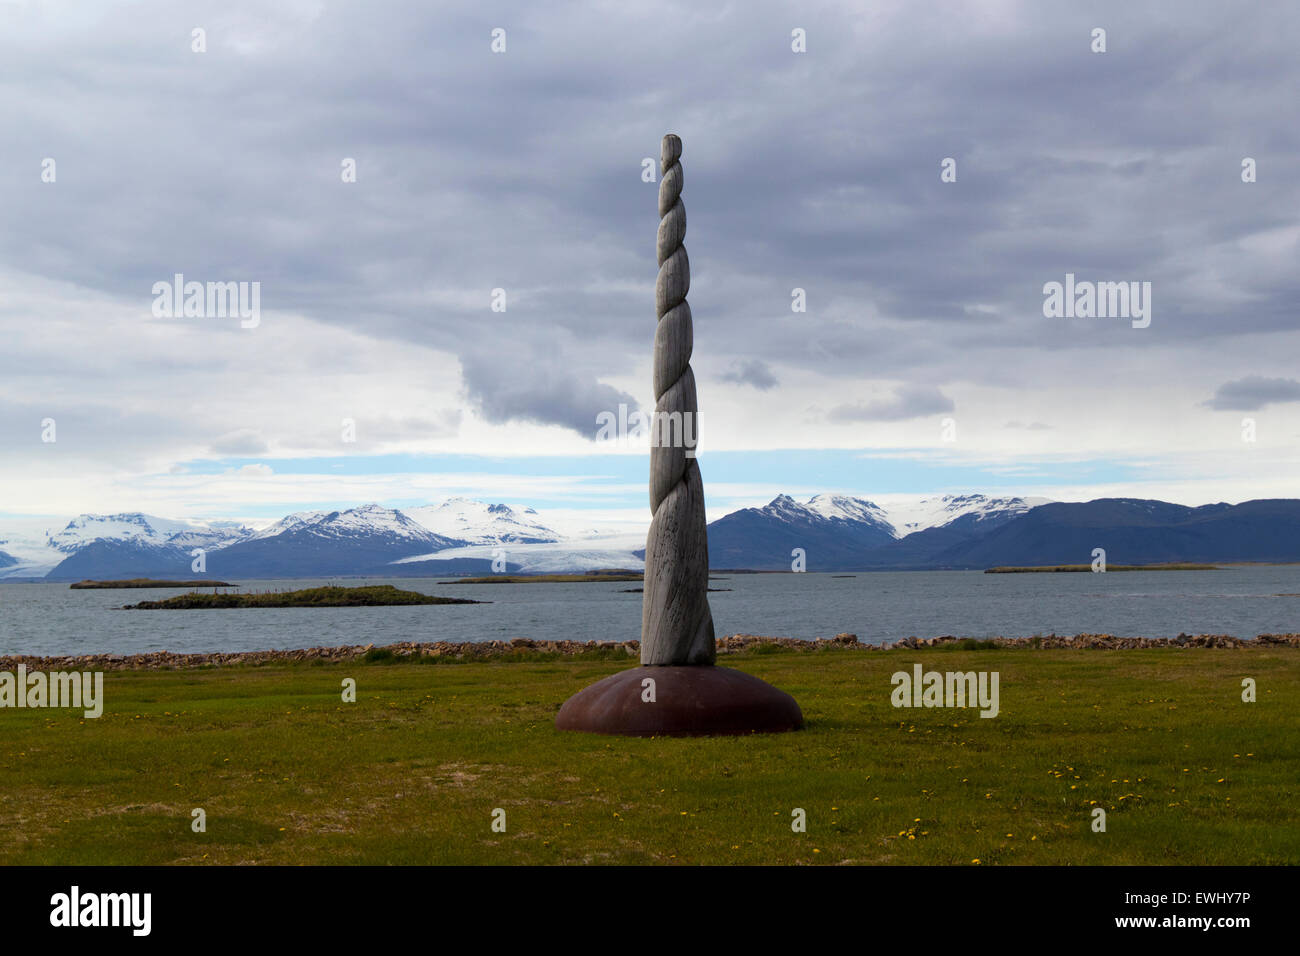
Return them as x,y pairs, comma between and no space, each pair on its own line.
1253,393
753,372
522,171
441,425
366,432
909,401
245,443
539,389
86,434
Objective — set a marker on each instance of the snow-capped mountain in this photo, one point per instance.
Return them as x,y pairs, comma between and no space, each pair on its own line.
288,522
829,530
367,521
26,541
850,510
841,531
526,542
833,532
145,529
353,541
918,514
363,540
137,545
833,529
38,547
1136,531
897,516
480,523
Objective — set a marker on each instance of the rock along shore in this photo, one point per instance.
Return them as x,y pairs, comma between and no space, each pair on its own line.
504,650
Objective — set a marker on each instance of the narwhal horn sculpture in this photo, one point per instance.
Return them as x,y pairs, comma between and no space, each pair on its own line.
676,624
676,690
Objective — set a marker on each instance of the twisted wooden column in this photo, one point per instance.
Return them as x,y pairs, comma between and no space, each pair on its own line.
676,623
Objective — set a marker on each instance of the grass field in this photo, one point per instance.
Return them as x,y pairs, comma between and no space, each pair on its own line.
412,771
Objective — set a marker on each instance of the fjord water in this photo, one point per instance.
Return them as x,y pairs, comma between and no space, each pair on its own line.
1243,601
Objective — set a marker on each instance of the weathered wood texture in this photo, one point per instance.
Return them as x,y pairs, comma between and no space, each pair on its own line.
676,623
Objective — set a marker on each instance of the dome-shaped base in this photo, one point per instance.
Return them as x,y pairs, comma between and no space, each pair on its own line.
689,701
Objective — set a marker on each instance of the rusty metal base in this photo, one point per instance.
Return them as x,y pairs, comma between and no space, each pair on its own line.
689,701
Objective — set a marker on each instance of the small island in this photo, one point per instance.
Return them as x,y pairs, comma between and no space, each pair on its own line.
149,583
367,596
1109,567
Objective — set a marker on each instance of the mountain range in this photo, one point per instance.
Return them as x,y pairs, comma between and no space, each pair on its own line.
834,533
838,532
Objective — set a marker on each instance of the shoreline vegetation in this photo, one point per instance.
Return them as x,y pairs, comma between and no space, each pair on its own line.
527,650
1032,569
331,596
148,583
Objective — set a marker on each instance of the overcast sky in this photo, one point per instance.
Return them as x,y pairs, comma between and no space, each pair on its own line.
522,170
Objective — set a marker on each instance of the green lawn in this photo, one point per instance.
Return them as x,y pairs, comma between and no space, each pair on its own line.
412,771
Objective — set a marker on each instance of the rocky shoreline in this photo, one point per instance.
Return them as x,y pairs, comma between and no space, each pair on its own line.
505,650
